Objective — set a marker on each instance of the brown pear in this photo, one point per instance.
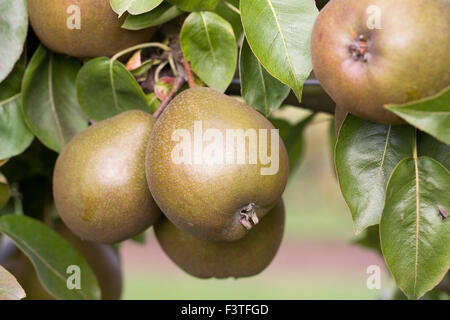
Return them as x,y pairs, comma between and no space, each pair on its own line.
82,28
242,258
215,166
369,53
99,182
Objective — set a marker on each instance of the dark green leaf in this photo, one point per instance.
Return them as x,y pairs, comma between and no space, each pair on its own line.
279,34
106,88
195,5
51,256
11,86
259,89
134,6
232,16
13,32
153,102
208,42
162,14
370,238
431,115
414,234
49,100
10,289
366,154
433,148
15,137
293,138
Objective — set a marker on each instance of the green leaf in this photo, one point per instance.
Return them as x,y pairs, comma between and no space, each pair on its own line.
49,100
13,32
259,89
295,144
414,234
3,162
153,102
370,238
431,114
279,34
433,148
106,88
293,137
208,42
134,6
195,5
10,289
365,156
51,256
5,193
13,83
232,16
15,137
142,70
162,14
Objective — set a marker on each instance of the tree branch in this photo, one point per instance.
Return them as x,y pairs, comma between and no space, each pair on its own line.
314,97
178,83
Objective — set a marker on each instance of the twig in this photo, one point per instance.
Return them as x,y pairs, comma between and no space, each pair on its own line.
229,5
158,70
189,74
178,83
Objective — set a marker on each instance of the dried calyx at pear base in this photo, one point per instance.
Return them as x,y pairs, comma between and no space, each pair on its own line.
99,182
219,200
395,54
95,29
220,259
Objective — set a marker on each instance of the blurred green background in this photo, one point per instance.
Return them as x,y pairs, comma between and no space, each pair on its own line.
317,259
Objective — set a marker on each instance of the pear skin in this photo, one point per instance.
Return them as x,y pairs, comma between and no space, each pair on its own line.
206,259
99,182
99,32
369,53
206,186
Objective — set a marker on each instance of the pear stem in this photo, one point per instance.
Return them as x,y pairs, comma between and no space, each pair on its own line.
159,69
229,5
189,74
178,83
141,46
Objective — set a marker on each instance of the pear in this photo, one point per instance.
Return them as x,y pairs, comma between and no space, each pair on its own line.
214,165
243,258
369,53
103,260
99,182
82,28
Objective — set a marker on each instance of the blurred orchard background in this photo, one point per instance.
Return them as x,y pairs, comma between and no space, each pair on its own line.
317,259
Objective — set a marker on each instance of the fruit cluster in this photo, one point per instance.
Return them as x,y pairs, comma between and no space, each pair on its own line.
220,218
206,170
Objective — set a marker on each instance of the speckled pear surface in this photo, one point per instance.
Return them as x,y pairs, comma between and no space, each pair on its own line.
243,258
207,199
368,53
99,182
100,32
